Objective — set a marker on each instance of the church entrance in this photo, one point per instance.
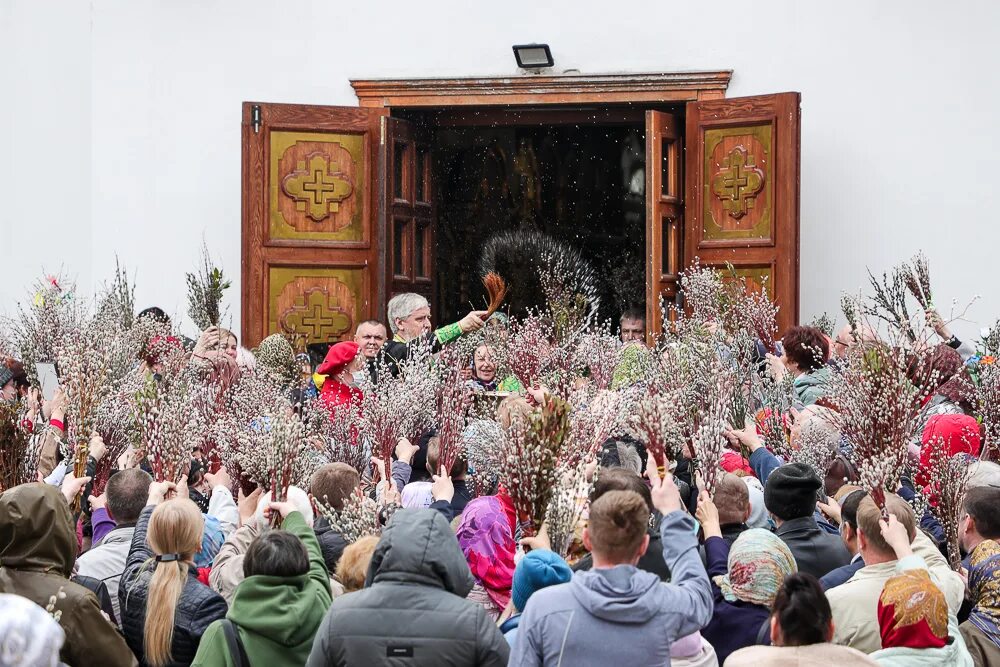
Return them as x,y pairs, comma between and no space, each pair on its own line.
344,207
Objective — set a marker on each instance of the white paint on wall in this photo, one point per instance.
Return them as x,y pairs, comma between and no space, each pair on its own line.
120,118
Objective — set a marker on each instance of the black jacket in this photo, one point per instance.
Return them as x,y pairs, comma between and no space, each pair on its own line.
198,606
816,551
413,609
651,561
331,543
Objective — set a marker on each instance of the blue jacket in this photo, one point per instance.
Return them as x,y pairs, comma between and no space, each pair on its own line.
835,578
619,615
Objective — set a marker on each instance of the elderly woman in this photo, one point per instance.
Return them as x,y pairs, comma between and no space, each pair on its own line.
745,578
410,321
484,373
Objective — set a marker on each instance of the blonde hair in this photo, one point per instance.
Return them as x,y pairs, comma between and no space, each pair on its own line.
352,568
175,527
513,409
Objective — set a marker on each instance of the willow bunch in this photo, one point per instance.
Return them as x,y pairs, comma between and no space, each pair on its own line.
708,442
824,323
454,399
741,375
285,444
485,447
529,348
336,428
816,448
114,421
703,290
949,479
750,310
775,402
988,410
569,283
118,299
888,303
654,423
690,370
917,276
19,452
93,361
206,288
399,406
51,313
850,307
877,409
358,517
170,424
593,420
569,499
496,290
600,353
528,470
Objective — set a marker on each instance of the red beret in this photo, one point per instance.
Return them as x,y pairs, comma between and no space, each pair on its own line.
338,357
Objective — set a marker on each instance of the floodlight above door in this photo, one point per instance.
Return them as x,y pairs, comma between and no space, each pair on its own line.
533,56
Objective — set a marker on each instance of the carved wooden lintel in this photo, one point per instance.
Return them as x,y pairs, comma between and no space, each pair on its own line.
543,89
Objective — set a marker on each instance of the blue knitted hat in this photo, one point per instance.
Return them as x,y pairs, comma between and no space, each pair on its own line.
538,569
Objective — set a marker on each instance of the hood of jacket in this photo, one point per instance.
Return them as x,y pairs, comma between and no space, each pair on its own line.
418,546
36,532
278,608
623,593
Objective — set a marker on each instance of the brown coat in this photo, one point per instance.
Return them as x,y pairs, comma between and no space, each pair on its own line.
983,650
37,552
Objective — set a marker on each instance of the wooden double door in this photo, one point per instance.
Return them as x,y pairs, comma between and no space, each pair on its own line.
338,209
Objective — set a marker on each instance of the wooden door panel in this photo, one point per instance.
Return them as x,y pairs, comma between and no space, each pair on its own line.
408,201
742,203
309,253
664,213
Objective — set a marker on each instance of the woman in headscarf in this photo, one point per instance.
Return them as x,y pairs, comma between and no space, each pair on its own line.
745,578
982,631
916,627
952,393
485,373
486,535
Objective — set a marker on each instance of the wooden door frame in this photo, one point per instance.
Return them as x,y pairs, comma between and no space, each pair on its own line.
620,98
565,89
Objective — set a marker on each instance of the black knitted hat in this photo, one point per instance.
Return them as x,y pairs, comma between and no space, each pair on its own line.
790,491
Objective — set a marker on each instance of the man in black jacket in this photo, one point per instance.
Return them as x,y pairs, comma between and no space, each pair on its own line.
413,607
410,321
790,497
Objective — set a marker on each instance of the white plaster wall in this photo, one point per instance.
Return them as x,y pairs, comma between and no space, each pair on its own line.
132,107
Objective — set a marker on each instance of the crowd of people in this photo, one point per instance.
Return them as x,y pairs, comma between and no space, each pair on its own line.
553,508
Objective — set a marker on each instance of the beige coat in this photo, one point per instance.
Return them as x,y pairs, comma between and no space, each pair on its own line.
855,603
984,652
227,568
814,655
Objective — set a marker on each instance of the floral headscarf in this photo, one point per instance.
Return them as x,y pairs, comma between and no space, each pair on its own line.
486,537
758,564
984,584
912,612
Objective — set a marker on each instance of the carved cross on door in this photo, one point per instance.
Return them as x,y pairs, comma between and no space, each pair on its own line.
738,183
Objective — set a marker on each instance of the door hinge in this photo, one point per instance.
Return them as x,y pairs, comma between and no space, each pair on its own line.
255,118
382,135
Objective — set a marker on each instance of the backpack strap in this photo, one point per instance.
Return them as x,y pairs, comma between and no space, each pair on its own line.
765,630
235,644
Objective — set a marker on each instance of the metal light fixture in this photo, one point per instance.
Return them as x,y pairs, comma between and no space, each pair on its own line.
533,56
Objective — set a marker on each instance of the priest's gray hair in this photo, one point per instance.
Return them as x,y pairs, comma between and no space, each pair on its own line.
402,306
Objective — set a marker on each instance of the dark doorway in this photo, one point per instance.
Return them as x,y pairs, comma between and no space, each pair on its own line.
581,184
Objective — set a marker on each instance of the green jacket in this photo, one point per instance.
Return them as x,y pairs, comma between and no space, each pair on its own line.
810,387
277,617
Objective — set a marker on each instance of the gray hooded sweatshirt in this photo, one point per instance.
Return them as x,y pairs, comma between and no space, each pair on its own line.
619,615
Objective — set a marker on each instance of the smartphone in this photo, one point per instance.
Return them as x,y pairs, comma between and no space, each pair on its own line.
48,378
